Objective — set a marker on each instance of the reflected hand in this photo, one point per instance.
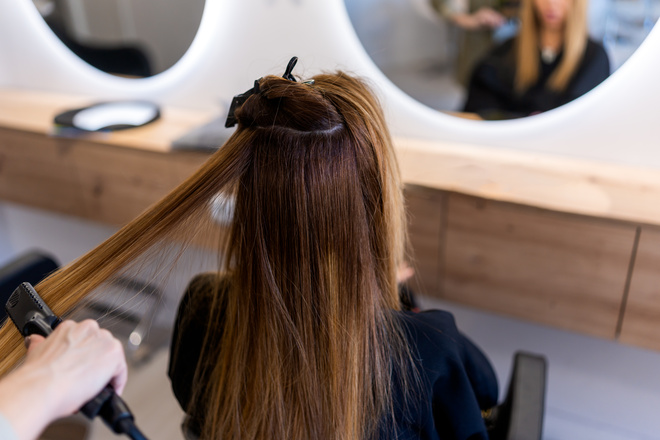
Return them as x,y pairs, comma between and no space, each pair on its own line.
483,18
488,18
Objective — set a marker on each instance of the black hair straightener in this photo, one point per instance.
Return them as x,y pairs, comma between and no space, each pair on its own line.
31,315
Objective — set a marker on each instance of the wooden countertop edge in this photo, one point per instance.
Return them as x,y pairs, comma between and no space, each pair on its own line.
33,111
557,183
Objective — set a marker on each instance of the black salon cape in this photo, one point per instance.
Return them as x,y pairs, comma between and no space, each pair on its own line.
457,380
491,91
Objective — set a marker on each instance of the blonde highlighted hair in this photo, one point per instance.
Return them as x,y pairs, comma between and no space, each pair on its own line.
308,343
528,47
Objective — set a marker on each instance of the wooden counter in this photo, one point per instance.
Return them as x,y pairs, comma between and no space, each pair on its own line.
564,242
143,158
109,178
558,183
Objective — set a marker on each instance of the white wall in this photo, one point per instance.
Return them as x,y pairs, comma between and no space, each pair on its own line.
240,41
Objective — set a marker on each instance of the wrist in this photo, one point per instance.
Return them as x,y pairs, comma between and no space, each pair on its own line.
28,400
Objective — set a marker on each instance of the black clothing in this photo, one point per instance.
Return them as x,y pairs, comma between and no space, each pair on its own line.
456,379
491,92
457,382
408,299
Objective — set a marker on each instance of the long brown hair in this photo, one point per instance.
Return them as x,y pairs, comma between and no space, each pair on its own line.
308,342
527,47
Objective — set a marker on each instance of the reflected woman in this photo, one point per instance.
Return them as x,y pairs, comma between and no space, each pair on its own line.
551,62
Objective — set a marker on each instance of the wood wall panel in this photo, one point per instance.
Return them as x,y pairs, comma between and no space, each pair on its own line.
425,209
119,187
641,321
86,179
556,269
40,177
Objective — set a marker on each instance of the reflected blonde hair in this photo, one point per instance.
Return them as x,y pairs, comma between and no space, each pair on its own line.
528,44
308,343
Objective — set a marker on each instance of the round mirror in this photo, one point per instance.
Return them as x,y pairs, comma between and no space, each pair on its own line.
444,52
131,38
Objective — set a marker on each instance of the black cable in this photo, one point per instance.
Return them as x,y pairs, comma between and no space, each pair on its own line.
116,414
127,427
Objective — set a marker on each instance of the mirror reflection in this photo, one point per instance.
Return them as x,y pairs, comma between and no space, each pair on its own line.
500,59
131,38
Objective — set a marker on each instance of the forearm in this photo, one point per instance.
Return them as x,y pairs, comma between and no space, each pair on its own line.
25,397
464,21
484,18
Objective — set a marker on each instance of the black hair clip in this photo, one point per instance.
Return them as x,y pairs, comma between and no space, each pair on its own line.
289,69
239,100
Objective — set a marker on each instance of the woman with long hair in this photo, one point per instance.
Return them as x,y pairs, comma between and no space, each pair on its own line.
303,337
299,334
551,62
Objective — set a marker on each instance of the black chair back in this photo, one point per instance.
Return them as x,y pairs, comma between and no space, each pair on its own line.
30,267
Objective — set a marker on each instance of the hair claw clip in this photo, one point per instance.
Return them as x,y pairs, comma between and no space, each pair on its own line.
289,69
239,100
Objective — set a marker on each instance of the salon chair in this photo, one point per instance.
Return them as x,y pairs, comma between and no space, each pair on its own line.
31,267
520,415
34,266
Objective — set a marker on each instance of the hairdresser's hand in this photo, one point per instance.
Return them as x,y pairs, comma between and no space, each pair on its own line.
81,359
60,374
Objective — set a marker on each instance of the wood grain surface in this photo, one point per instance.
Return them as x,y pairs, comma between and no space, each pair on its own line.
426,215
98,182
641,321
564,271
557,183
